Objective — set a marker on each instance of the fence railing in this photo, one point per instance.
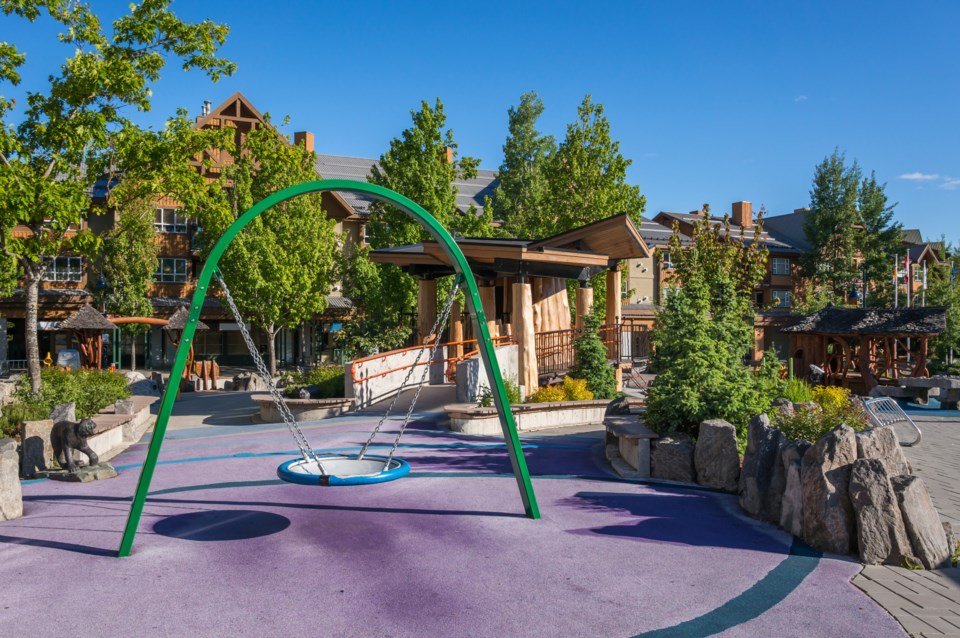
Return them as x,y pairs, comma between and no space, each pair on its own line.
625,342
12,365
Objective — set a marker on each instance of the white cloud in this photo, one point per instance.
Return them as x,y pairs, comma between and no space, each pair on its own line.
918,177
800,98
950,184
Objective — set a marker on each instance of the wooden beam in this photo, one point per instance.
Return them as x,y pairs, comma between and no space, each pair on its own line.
584,304
426,308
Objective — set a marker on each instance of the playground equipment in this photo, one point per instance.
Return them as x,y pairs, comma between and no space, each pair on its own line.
464,274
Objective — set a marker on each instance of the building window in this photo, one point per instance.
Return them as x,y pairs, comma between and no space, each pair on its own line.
780,298
168,221
759,298
665,261
171,270
62,268
780,266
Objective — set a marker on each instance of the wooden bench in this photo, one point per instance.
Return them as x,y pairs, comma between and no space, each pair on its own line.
632,438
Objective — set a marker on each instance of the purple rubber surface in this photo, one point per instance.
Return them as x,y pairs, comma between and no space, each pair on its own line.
225,548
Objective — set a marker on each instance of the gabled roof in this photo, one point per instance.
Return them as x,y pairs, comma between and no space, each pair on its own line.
87,318
921,252
469,192
911,236
872,321
179,320
616,236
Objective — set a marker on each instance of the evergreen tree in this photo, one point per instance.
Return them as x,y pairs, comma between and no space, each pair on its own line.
590,361
522,197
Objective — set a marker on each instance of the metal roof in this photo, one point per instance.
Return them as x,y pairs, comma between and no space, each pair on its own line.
911,236
655,234
767,240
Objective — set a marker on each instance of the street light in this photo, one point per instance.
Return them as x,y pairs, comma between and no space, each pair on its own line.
102,287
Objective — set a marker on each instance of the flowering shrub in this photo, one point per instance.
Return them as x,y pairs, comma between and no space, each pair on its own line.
570,390
834,406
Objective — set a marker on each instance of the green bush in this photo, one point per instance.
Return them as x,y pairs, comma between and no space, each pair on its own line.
570,390
798,391
329,380
485,400
834,406
91,390
590,361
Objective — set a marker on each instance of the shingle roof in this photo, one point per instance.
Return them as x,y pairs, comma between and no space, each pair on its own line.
872,321
766,239
469,192
179,320
87,318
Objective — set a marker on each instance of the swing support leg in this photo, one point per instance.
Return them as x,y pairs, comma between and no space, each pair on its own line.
457,260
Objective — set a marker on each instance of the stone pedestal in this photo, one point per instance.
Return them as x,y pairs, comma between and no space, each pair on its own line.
37,450
11,498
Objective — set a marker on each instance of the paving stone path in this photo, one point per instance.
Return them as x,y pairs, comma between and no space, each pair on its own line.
926,603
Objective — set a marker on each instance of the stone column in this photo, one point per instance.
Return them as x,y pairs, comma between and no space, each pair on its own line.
426,308
523,333
584,302
489,301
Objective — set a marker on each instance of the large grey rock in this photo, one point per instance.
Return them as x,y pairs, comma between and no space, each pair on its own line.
828,518
64,412
791,505
881,534
36,448
85,474
249,382
716,457
927,536
783,406
619,406
672,459
881,443
762,478
11,497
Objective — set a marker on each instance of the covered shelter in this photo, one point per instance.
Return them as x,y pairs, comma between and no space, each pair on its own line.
88,327
174,330
523,285
871,345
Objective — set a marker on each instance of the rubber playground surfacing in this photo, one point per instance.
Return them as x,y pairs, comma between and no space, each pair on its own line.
225,548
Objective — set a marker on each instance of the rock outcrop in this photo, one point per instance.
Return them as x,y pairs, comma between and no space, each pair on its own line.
762,478
881,534
927,536
716,458
672,459
828,518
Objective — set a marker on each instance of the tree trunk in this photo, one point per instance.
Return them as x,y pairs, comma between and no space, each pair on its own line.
133,351
272,349
30,328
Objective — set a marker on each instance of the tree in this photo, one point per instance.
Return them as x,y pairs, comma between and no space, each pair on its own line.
849,219
943,289
280,269
590,361
50,160
521,199
129,259
703,332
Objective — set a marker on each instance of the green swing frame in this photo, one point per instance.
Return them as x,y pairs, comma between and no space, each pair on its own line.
457,259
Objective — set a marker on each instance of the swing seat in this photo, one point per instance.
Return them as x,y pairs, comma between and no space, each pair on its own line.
343,469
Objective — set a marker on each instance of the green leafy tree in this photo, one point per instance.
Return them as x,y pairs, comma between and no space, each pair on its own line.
943,289
280,269
59,145
522,198
590,361
703,333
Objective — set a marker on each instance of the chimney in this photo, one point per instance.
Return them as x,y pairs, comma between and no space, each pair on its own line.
742,214
801,210
205,111
448,154
306,137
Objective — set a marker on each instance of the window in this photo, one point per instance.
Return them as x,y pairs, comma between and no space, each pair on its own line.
759,298
665,261
780,298
62,268
168,221
780,266
171,271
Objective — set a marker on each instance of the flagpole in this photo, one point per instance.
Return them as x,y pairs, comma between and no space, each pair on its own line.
896,281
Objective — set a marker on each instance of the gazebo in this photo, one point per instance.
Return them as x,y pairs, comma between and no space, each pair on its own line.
88,327
876,344
174,329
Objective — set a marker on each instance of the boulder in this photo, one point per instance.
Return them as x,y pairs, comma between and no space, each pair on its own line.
828,518
881,534
132,376
716,457
672,459
951,538
881,443
791,505
11,497
783,406
762,478
36,448
249,382
927,536
85,474
64,412
619,406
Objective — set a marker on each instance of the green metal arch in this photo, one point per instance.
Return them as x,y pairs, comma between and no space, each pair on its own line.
459,262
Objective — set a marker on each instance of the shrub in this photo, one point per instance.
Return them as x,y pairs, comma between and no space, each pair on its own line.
576,389
590,361
485,400
798,391
328,379
834,406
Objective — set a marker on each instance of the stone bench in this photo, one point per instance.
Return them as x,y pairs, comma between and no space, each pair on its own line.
632,438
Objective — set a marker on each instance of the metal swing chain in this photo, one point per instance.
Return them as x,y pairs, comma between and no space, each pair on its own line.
441,320
288,419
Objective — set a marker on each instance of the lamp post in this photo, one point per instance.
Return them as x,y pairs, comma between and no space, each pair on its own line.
102,287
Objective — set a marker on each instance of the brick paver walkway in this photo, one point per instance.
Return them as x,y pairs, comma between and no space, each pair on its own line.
926,603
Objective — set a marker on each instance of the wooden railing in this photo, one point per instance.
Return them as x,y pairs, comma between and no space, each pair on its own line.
625,342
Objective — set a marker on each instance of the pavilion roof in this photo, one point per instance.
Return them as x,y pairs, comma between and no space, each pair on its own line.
872,321
179,320
87,318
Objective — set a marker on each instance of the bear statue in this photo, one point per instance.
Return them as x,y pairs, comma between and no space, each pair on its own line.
67,436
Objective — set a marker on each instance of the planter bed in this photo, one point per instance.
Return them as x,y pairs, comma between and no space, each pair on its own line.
530,417
302,409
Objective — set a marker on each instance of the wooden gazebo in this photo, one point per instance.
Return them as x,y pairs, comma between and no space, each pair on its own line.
88,327
174,329
875,344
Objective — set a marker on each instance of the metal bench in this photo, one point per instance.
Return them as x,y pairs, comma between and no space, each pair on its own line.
886,411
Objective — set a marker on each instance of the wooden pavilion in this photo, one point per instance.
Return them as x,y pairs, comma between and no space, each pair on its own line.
872,346
174,329
88,326
523,283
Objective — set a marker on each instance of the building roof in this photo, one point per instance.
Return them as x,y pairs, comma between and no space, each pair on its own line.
179,320
87,318
918,252
469,191
657,235
911,236
788,229
767,240
616,236
872,321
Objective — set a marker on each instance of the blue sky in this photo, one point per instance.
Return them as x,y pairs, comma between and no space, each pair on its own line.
713,101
